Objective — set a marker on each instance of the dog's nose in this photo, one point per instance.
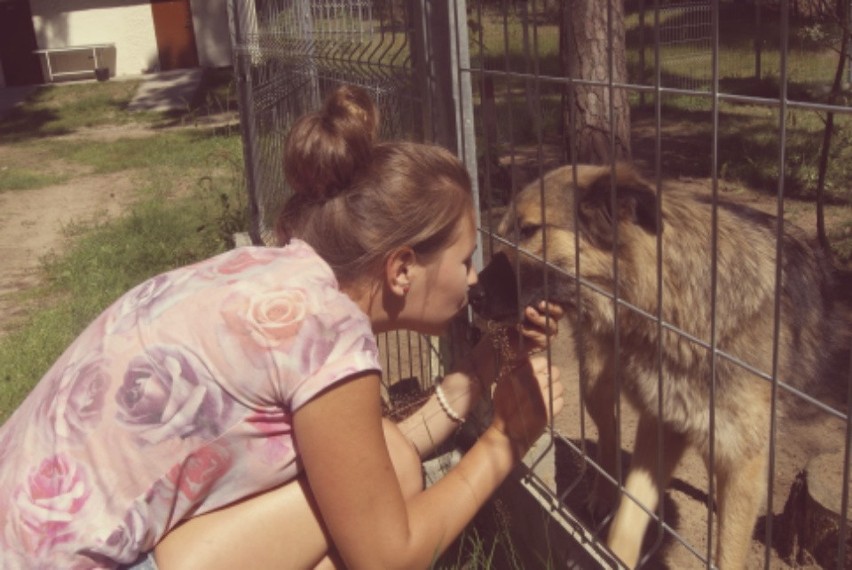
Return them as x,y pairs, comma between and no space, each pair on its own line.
495,296
476,296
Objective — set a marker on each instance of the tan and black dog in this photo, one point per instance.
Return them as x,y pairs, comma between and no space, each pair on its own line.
692,305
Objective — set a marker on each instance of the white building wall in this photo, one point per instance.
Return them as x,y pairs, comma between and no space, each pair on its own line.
61,23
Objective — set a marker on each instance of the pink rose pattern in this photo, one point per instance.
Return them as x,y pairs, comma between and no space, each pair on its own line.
264,322
46,503
200,471
175,403
79,399
165,396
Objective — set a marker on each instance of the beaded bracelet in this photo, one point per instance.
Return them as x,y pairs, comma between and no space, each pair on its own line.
445,405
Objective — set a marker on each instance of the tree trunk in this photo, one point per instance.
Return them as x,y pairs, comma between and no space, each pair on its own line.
597,117
828,132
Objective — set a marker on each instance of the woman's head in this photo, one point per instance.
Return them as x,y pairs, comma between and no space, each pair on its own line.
356,200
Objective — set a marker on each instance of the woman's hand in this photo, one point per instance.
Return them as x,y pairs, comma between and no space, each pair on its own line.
540,323
526,400
506,347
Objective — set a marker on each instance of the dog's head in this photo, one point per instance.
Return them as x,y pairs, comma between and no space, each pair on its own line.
564,225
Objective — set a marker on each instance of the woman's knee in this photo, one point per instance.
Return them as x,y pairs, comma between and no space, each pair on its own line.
405,458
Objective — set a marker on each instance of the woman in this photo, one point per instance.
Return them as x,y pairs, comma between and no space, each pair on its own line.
229,413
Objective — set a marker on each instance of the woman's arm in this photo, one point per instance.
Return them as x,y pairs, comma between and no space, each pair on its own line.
430,425
343,450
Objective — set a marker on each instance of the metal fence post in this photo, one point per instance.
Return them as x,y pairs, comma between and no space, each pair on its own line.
431,55
242,23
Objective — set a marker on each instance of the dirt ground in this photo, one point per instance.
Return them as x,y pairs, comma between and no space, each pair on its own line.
686,500
32,224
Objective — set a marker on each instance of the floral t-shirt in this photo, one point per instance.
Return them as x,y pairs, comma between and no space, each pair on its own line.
175,401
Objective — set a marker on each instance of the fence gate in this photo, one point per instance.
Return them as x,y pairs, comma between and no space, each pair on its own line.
737,103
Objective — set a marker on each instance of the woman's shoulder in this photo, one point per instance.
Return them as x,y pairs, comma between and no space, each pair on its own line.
262,266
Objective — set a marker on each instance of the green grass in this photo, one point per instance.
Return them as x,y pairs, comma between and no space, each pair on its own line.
15,178
54,110
748,136
61,109
170,150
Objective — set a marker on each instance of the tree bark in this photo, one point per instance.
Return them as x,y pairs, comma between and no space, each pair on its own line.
596,115
828,131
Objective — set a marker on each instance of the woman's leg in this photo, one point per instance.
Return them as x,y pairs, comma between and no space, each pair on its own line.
277,529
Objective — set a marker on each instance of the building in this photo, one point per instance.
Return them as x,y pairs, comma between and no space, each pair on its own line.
53,40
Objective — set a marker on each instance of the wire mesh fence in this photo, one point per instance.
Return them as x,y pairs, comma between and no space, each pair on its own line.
728,103
289,54
702,121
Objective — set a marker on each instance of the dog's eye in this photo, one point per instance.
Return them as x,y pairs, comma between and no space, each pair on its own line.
527,231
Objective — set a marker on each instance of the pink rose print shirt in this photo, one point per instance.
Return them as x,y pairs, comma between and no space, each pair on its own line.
175,401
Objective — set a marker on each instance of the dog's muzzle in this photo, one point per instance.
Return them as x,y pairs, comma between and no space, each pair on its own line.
495,296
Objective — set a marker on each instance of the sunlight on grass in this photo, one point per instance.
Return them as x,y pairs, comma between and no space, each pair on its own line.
60,109
14,178
182,149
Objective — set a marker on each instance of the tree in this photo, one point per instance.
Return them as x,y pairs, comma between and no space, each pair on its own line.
842,15
596,116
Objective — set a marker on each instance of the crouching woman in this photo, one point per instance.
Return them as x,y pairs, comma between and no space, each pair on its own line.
228,414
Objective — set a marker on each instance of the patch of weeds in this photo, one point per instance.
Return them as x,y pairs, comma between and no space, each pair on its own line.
215,98
13,178
229,214
182,149
486,543
217,92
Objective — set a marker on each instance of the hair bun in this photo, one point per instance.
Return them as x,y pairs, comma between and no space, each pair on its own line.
325,150
351,106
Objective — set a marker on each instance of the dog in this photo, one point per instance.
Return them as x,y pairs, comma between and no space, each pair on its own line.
588,238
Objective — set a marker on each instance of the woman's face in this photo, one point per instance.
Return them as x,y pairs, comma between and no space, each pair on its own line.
440,288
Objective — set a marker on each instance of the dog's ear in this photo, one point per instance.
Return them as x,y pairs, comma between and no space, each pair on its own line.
635,203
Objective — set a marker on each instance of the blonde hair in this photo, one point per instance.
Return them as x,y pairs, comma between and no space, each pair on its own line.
355,199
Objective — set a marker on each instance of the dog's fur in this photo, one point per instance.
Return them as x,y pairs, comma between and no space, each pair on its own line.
671,386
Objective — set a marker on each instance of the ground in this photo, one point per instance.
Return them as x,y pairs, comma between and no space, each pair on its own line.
33,222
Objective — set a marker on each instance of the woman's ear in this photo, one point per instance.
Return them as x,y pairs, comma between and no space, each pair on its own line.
399,270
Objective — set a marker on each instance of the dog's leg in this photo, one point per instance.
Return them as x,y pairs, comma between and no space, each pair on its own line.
741,485
599,398
651,468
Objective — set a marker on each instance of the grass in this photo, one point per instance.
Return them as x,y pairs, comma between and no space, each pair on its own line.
194,148
55,110
62,109
748,135
15,178
189,201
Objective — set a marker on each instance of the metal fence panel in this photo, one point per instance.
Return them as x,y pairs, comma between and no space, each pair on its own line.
705,119
713,110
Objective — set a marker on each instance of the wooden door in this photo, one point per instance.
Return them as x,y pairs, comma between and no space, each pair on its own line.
175,35
17,42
